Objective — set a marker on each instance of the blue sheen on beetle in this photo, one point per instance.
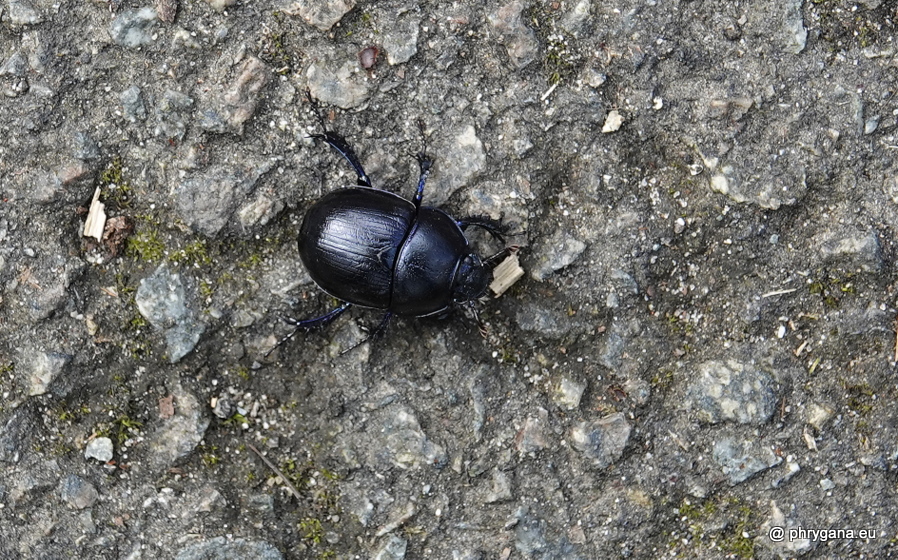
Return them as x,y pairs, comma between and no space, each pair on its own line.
372,248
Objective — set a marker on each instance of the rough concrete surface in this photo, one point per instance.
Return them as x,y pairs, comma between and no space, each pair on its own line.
700,361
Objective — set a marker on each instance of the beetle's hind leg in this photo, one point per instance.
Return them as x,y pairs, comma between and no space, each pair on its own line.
309,324
494,227
342,147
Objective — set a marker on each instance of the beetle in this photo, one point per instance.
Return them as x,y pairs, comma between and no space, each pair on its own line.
369,247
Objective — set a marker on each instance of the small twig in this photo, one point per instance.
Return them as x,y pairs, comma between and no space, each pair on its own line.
779,292
277,471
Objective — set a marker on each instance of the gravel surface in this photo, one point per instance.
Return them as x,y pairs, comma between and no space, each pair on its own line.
699,361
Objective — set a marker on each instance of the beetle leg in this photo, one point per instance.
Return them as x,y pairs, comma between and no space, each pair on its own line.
375,334
309,324
495,228
340,144
481,326
425,164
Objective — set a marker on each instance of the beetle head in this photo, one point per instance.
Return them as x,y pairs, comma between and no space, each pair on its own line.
471,279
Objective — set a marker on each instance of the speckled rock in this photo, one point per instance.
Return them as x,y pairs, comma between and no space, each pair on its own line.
339,85
731,391
177,436
133,28
162,299
322,15
99,448
602,441
555,252
222,548
77,492
741,460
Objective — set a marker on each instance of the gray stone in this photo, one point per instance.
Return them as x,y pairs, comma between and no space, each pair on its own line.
793,25
500,488
533,317
172,115
392,549
15,65
162,299
602,441
221,548
532,436
45,368
740,460
221,5
731,391
21,12
559,250
322,15
567,393
17,433
576,17
237,105
77,492
100,449
400,42
133,105
176,437
519,40
853,248
85,147
461,159
133,28
208,201
407,445
340,86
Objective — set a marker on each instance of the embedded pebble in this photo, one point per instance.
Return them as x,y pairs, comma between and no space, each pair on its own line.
559,250
401,42
133,28
392,549
176,437
461,158
602,441
222,548
162,299
520,41
568,393
322,15
741,460
338,86
500,488
133,105
45,368
22,12
731,391
100,449
77,492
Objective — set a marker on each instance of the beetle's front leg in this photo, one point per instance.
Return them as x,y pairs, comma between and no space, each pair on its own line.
495,228
340,144
424,163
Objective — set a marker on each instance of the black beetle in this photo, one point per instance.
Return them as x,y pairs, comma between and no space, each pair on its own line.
372,248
